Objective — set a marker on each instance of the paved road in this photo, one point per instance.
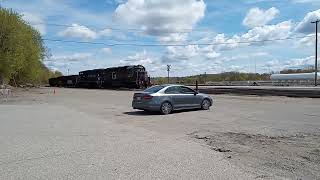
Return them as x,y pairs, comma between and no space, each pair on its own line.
47,140
94,134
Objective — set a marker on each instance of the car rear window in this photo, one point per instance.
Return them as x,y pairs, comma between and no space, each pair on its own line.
154,89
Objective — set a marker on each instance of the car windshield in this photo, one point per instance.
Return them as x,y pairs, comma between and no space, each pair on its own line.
154,89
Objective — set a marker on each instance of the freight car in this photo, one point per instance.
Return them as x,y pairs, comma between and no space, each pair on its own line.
90,78
64,81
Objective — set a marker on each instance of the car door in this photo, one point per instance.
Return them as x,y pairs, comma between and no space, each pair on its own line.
173,93
190,98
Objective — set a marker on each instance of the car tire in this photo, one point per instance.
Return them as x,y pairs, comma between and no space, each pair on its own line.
205,105
166,108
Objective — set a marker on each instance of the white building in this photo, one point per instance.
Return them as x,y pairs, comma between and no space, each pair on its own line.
294,79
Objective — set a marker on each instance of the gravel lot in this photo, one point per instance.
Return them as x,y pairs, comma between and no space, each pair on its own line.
95,134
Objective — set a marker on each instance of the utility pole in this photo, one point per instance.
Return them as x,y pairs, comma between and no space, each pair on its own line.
316,56
255,66
68,71
168,69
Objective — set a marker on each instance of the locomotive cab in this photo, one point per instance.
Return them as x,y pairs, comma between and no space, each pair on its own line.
141,77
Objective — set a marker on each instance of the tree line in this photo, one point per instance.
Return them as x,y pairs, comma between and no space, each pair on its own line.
228,76
294,71
204,78
22,51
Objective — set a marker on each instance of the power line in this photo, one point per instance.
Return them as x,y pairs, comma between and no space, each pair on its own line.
177,30
110,28
182,45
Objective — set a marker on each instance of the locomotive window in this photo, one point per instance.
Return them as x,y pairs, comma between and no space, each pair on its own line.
114,75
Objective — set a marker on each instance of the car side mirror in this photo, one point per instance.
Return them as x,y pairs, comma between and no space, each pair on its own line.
195,93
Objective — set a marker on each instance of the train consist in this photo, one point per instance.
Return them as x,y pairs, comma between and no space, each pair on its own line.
126,76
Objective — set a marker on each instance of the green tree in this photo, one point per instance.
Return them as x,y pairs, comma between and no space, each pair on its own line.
21,51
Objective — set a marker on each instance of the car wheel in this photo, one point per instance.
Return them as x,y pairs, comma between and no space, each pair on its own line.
166,108
205,105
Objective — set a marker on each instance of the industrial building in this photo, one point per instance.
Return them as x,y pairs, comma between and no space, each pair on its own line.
301,79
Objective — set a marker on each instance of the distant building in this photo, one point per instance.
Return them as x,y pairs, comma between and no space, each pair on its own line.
293,79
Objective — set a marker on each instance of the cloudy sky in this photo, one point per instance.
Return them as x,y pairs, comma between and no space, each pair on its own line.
194,36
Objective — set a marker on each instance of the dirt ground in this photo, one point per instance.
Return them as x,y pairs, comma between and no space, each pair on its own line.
266,137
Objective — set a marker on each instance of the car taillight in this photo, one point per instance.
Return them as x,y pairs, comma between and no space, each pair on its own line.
147,97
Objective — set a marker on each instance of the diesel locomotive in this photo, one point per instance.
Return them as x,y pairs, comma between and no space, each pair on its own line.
134,76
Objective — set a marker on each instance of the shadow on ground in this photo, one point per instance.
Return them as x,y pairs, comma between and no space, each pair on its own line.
149,113
141,113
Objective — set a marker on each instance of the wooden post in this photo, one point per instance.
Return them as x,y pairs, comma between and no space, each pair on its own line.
1,80
197,85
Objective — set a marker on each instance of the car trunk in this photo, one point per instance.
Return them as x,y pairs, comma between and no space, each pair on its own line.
140,96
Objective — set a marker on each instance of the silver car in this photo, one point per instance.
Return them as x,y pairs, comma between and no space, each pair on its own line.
167,98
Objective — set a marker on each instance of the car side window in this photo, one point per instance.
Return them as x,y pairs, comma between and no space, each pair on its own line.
185,90
172,90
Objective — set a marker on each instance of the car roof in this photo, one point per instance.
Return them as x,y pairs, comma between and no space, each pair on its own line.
167,85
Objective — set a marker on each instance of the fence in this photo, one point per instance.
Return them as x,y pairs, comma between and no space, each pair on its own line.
5,93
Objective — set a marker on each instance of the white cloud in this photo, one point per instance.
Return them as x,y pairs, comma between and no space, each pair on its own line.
267,32
105,32
71,57
209,52
307,41
173,37
106,50
281,30
212,55
299,62
74,62
163,19
305,1
273,64
141,58
36,21
224,43
79,31
212,58
305,25
295,63
237,68
185,54
259,17
85,33
244,56
176,54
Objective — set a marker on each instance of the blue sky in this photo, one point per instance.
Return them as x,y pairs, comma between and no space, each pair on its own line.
210,30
